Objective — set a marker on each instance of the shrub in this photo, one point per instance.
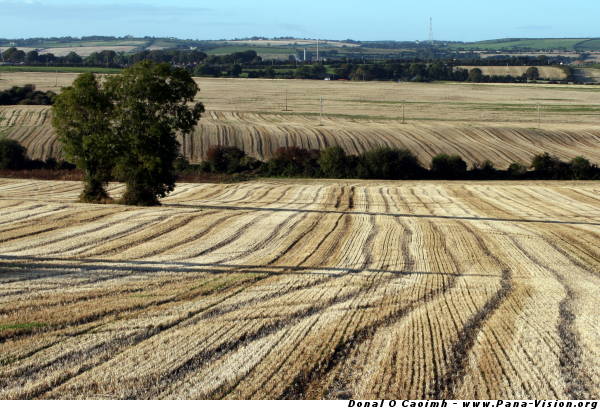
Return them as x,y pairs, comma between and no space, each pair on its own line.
484,170
249,163
389,163
516,170
445,166
333,162
51,163
26,95
12,155
532,74
229,160
224,159
581,168
547,166
475,75
181,164
293,161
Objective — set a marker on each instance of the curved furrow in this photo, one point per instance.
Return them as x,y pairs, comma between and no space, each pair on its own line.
576,382
445,386
314,379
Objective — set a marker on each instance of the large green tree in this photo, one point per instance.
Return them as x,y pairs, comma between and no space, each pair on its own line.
126,127
152,103
81,116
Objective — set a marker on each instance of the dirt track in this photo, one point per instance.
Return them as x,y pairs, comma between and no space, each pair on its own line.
302,289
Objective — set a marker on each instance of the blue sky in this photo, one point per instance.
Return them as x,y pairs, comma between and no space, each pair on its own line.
331,19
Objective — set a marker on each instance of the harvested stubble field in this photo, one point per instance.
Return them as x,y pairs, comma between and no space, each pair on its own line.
302,289
546,72
477,121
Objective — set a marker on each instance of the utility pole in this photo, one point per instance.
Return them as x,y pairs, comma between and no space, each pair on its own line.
403,114
539,110
286,100
321,114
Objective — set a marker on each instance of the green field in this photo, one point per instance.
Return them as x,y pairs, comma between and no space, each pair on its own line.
569,44
590,45
43,69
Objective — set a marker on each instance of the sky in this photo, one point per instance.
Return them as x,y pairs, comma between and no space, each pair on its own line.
458,20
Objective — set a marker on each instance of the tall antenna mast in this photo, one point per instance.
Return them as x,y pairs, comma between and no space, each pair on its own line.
431,30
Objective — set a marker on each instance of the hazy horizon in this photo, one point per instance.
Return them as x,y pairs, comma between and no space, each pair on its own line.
334,20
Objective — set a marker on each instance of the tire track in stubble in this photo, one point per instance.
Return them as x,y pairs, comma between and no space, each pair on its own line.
314,312
189,318
341,351
214,354
445,385
570,361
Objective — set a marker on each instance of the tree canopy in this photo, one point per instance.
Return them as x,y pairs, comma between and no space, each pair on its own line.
82,120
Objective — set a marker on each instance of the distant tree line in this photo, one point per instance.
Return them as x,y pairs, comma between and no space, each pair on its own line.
383,163
106,58
249,64
379,163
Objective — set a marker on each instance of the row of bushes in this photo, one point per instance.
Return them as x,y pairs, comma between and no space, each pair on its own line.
333,162
382,163
26,95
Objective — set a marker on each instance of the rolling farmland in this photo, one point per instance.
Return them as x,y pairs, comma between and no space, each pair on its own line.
302,289
477,121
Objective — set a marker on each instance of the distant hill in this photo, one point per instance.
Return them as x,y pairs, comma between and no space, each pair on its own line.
282,48
531,44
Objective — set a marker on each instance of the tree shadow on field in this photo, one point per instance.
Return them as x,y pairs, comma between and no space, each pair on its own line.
28,268
394,215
